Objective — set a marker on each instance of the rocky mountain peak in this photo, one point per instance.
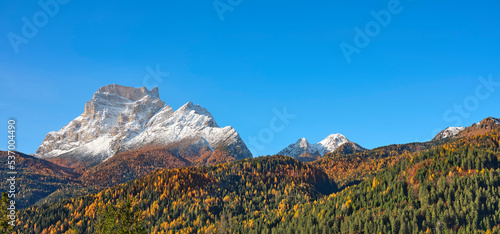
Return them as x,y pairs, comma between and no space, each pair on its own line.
120,118
189,106
305,151
303,143
448,132
130,93
482,127
332,142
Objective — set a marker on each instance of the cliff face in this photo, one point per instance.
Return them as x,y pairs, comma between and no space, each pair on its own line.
120,118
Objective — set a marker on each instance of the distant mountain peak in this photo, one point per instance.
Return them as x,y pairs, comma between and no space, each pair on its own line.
331,143
492,120
302,143
305,151
448,133
479,128
120,118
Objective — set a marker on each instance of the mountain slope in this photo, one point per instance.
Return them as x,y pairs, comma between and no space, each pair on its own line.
37,178
304,151
448,133
193,199
346,167
451,188
482,127
133,164
120,118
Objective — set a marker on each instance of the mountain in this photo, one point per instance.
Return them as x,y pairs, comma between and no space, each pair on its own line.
434,187
480,128
447,133
37,178
484,126
348,148
192,199
304,151
347,167
133,164
120,118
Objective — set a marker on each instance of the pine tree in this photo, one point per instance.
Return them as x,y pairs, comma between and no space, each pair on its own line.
120,220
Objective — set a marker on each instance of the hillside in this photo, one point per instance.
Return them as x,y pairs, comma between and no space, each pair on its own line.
133,164
449,187
446,185
482,127
348,167
226,196
454,187
46,181
38,178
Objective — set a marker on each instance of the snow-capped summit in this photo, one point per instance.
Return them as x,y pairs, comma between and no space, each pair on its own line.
448,132
305,151
331,143
120,118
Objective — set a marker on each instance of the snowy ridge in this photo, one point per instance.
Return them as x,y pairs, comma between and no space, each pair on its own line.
120,118
448,133
302,148
331,143
451,131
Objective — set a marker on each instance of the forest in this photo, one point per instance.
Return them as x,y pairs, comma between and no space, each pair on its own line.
447,186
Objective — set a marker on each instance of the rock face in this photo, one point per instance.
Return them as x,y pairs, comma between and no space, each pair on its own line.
120,118
304,151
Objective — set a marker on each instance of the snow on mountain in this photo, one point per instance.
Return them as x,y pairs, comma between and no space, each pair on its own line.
120,118
188,121
301,147
482,127
448,132
305,151
331,143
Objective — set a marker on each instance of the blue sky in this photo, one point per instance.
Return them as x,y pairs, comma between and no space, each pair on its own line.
401,86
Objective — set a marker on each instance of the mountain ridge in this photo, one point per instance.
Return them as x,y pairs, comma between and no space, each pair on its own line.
481,127
120,118
304,151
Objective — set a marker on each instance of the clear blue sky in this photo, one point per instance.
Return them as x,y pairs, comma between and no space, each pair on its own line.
264,55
